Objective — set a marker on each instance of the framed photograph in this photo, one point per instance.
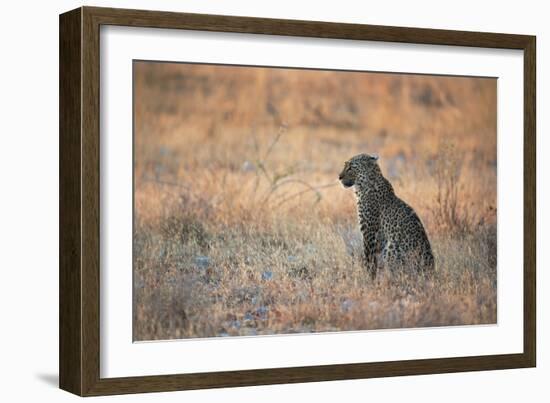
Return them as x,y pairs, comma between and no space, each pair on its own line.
249,201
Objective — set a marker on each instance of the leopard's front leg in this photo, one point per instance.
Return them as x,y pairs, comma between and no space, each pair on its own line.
370,225
371,258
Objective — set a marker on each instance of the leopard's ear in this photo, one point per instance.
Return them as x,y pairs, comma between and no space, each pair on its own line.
374,157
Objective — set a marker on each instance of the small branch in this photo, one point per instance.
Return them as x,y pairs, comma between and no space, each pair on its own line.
281,131
310,189
168,183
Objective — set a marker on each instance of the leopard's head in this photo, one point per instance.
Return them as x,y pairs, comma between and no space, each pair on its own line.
359,165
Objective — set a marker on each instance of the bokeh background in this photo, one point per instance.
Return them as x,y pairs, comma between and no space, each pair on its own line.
241,227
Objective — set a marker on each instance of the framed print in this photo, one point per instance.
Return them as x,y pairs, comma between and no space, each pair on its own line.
249,201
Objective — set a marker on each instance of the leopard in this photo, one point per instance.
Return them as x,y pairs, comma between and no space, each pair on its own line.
394,237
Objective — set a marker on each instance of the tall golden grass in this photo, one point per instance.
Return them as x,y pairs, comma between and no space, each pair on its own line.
242,228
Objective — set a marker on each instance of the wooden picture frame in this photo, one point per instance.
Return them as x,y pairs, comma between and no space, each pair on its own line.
79,347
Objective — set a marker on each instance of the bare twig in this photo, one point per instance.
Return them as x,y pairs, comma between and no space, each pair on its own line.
164,182
280,132
309,189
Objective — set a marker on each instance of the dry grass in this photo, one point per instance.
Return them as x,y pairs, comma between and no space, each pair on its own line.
241,227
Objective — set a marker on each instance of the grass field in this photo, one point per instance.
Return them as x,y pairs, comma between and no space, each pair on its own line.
242,228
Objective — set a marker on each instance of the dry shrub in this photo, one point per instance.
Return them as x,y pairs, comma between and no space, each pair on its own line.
450,215
452,212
